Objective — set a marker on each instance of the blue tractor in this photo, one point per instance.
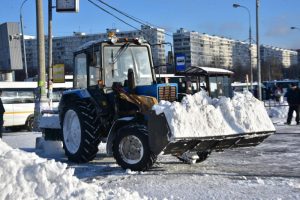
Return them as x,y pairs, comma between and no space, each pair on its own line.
114,90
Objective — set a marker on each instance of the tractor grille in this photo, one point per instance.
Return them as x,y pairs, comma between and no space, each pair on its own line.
167,93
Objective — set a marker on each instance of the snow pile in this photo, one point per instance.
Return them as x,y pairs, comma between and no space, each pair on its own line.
198,115
27,176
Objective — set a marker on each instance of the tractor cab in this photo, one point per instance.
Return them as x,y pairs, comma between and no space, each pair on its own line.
107,62
119,75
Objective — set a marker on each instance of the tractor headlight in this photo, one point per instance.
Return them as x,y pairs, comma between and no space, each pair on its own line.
114,39
139,40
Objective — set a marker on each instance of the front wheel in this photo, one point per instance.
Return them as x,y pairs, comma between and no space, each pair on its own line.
131,148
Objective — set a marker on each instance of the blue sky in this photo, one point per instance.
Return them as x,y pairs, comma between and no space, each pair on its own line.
215,17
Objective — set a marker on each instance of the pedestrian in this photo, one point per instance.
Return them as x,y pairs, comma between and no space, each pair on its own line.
2,110
293,99
278,94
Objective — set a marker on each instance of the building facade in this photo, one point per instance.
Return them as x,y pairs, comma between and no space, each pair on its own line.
207,50
10,47
200,49
63,47
280,56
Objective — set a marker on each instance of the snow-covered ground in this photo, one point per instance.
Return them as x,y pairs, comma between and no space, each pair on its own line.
268,171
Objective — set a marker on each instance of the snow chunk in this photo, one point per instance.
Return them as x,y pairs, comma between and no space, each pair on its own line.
199,116
129,171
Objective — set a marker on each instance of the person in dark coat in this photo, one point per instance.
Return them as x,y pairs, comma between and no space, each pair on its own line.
2,110
293,99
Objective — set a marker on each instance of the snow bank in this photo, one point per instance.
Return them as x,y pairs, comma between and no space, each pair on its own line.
27,176
199,116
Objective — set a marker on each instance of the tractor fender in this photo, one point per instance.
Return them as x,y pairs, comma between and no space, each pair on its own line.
69,96
113,131
81,93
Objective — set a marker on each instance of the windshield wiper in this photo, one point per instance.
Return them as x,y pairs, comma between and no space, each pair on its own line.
120,52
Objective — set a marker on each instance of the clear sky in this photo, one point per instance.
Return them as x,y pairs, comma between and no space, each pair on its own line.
215,17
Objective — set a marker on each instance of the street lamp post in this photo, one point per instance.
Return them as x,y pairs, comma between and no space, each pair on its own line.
50,75
258,51
23,40
250,39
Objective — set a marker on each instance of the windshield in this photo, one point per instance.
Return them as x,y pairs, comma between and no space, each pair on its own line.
117,62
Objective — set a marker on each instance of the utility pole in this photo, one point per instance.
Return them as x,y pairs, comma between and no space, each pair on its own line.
235,5
50,83
41,90
250,57
258,52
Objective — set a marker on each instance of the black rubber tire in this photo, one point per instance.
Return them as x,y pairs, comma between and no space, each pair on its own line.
89,125
29,123
147,159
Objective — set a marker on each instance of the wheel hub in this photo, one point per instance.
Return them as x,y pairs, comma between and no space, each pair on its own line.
72,131
131,149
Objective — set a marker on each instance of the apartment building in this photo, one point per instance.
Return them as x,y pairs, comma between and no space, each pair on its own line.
200,49
241,54
63,47
203,49
284,57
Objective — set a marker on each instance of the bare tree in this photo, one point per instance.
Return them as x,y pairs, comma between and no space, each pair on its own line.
293,72
271,69
240,72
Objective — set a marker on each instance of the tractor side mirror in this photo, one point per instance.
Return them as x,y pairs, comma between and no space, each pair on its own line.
131,82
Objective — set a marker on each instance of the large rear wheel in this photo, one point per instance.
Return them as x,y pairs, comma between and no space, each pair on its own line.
131,148
80,128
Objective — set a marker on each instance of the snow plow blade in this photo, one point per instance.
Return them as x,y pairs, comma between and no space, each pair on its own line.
160,139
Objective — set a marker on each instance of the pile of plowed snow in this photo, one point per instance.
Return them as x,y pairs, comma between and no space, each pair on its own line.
199,116
27,176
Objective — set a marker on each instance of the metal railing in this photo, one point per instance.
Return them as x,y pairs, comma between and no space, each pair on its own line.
273,103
